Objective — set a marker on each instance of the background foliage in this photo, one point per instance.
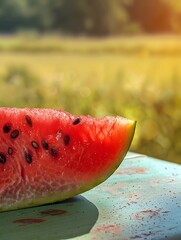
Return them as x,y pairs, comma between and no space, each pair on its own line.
90,17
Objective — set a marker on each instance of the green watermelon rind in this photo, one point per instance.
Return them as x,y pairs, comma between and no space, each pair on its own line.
63,196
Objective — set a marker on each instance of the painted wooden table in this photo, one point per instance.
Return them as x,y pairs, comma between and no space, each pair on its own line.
141,200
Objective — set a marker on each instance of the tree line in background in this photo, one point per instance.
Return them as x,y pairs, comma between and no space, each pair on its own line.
90,17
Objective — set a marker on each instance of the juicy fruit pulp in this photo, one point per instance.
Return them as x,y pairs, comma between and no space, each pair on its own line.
49,155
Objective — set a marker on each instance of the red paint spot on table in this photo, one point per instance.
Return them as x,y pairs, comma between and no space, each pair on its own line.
29,220
131,171
53,212
110,190
154,182
142,215
109,228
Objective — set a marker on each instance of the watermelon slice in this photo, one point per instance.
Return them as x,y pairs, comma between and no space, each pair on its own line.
50,155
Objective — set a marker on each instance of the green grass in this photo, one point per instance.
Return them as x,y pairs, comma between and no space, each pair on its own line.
144,45
139,85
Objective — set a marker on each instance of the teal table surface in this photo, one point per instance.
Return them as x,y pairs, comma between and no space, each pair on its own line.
141,200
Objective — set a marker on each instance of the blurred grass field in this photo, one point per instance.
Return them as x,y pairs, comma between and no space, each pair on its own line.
144,44
138,77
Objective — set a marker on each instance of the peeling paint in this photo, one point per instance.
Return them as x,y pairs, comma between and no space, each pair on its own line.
26,221
53,212
131,171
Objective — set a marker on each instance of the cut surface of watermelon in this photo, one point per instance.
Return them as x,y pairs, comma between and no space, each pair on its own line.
50,155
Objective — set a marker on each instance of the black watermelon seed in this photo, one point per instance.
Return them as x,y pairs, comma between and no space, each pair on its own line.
28,121
66,139
7,128
2,158
10,151
76,121
34,144
53,152
14,134
28,157
45,145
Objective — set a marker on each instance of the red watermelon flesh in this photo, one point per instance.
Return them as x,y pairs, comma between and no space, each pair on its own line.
50,155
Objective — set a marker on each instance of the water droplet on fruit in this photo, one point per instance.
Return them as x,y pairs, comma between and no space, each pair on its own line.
2,158
7,128
14,134
58,135
28,121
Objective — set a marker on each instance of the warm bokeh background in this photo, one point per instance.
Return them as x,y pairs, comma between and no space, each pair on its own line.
97,57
